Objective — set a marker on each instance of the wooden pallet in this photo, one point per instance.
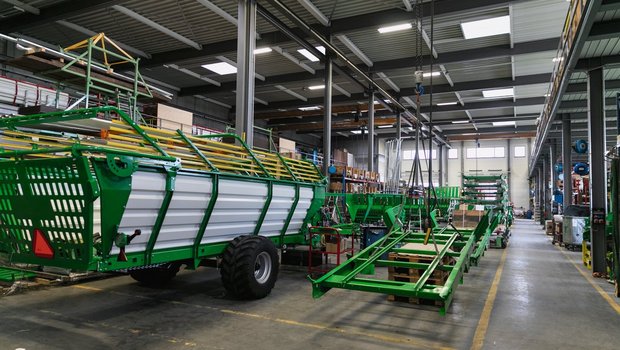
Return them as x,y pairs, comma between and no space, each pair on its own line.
416,301
434,280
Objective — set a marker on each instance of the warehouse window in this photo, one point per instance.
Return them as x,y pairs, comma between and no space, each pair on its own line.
453,153
519,151
485,152
409,155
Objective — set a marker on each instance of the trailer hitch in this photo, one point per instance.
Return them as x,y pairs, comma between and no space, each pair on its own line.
122,240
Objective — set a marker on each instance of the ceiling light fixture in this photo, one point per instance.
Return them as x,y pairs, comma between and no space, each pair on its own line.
435,74
262,50
221,68
447,104
310,56
356,132
395,28
460,122
311,108
506,123
316,87
486,27
510,92
384,126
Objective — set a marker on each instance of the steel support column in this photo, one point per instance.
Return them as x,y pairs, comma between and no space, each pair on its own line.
567,162
246,42
327,117
440,158
371,131
541,195
552,156
508,167
545,187
598,168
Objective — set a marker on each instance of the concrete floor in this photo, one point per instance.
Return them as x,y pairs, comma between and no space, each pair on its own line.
542,302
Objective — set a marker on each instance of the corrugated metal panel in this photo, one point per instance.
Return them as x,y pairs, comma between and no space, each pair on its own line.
534,63
535,20
458,45
536,90
480,69
597,48
534,109
492,112
387,46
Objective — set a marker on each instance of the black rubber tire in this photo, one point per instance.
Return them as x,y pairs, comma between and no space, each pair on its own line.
156,276
239,263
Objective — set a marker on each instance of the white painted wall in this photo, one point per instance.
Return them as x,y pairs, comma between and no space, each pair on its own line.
519,190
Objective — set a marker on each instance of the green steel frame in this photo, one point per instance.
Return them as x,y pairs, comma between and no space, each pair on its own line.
615,210
463,248
77,175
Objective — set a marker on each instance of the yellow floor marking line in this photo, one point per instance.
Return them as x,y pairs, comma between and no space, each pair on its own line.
414,343
485,317
590,280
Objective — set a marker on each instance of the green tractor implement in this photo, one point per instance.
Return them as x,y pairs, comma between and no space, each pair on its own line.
121,196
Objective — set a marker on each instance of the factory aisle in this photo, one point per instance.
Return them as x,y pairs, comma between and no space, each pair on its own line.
544,302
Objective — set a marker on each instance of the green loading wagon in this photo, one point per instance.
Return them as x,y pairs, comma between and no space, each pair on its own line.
91,190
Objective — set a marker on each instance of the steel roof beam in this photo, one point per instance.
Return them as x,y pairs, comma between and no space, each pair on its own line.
90,33
338,26
23,6
59,11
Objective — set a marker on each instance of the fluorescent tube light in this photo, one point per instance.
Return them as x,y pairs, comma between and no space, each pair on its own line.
447,104
384,126
262,50
311,108
395,28
507,123
316,87
310,56
486,27
460,122
426,75
221,68
356,132
498,93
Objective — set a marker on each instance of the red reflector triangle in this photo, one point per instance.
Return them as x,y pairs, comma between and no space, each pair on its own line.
42,247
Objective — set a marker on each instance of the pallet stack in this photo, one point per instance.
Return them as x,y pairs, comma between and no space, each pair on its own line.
403,274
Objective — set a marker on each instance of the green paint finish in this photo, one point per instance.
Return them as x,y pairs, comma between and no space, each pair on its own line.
161,216
265,209
106,182
290,214
196,150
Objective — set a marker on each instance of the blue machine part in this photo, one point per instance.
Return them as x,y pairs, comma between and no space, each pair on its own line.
581,169
561,177
581,146
559,168
331,169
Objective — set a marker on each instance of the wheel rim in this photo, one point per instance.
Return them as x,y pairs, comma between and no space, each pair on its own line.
262,267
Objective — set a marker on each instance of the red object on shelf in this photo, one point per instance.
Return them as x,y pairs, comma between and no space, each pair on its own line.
335,246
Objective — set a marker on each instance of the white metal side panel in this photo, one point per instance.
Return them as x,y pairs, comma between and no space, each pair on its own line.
282,200
237,209
147,194
305,199
187,209
97,216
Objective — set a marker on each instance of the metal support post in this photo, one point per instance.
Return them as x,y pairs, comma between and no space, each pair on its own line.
508,168
567,162
552,156
539,197
371,131
246,42
545,187
327,117
440,158
598,168
463,153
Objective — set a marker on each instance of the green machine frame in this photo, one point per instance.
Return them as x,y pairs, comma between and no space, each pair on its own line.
51,182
